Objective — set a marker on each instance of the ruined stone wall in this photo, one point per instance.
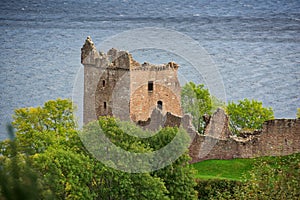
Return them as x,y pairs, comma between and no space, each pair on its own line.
278,137
113,93
159,120
113,88
206,147
218,125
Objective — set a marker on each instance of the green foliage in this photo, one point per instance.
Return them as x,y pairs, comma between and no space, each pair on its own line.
66,173
18,180
196,100
259,178
276,179
298,113
217,103
121,185
49,151
41,127
47,138
177,177
247,115
271,178
211,188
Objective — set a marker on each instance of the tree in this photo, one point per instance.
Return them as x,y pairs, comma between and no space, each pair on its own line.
196,100
18,179
46,136
298,113
47,142
41,127
247,115
177,177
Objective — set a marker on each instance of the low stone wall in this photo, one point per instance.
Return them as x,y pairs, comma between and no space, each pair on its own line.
278,137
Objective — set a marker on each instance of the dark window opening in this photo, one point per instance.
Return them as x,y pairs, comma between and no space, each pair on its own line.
160,105
150,86
104,105
103,83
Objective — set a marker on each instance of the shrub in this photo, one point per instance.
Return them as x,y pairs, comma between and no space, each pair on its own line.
209,189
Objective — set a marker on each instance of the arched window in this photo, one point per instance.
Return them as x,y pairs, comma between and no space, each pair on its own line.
160,105
103,83
104,105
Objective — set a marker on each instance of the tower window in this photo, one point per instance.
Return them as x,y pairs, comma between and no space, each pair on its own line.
103,83
150,86
104,105
160,105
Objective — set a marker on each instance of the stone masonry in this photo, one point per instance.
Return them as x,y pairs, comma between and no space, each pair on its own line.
117,85
278,137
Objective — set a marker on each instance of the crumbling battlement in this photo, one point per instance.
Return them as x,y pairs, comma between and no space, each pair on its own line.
116,59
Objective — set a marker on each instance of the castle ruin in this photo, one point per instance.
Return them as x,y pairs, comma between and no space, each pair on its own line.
117,85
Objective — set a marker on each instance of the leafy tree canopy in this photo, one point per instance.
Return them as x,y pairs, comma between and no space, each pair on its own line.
196,100
177,177
248,115
49,154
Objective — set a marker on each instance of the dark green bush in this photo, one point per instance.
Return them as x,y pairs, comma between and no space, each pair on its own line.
209,189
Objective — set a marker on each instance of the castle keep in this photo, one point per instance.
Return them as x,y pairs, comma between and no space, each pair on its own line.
117,85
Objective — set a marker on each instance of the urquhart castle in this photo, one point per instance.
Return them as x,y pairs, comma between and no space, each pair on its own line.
149,95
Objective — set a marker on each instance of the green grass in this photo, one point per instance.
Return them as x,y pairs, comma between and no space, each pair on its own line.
235,169
223,169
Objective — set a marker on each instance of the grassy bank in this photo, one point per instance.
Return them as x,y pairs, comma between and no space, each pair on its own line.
223,169
276,177
234,169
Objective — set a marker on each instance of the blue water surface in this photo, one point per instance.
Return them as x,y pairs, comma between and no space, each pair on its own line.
254,44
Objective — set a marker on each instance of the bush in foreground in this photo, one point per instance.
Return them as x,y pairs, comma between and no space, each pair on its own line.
273,178
48,160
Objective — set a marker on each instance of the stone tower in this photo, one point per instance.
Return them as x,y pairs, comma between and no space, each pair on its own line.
117,85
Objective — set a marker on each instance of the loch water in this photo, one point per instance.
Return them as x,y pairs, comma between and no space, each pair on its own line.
254,44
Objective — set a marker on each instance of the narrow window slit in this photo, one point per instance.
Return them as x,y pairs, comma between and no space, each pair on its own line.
150,86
